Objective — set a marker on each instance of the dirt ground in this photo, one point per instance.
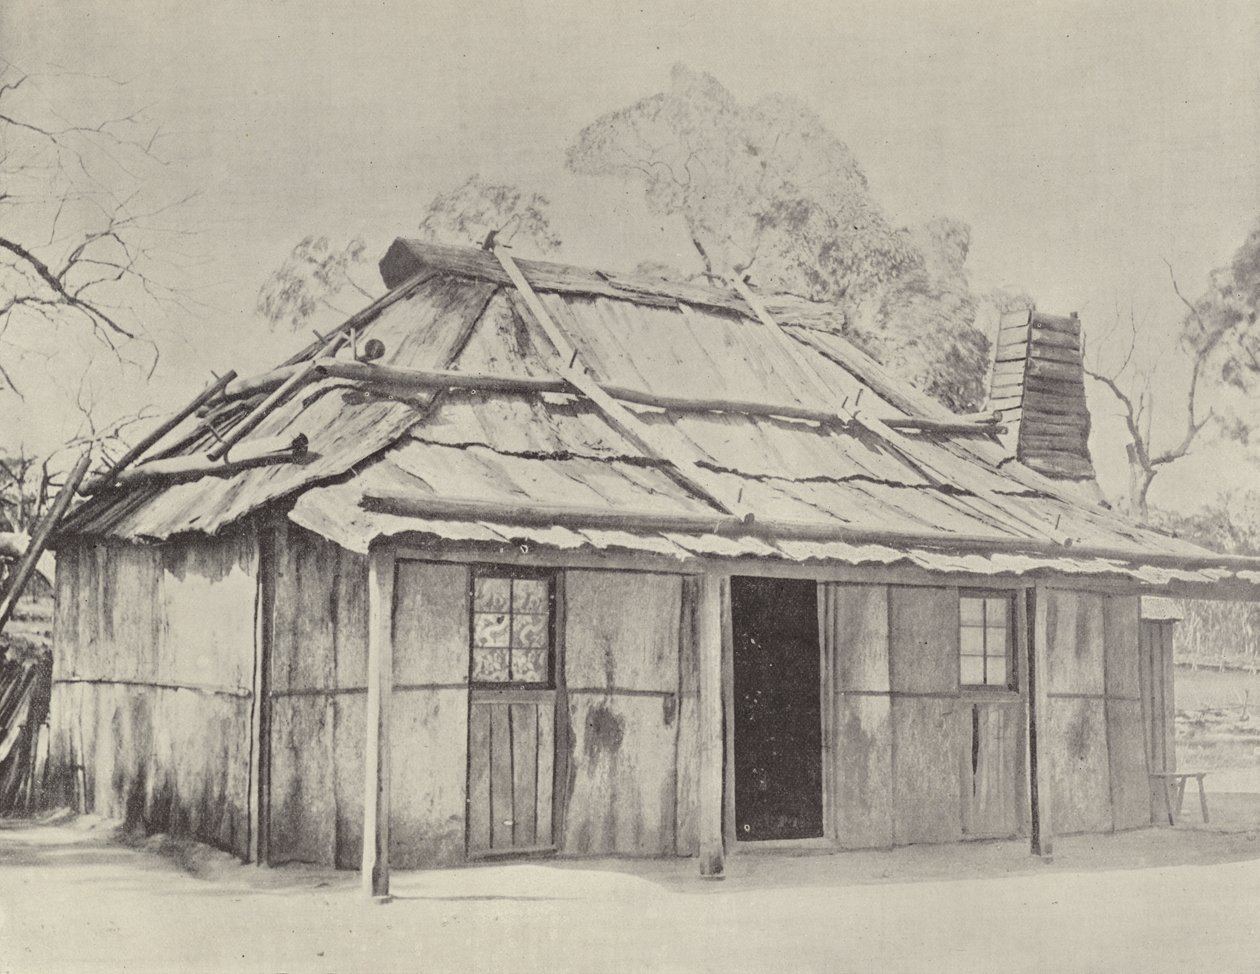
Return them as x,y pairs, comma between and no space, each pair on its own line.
76,896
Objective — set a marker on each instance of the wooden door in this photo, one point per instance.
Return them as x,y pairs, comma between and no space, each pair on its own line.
1156,677
511,714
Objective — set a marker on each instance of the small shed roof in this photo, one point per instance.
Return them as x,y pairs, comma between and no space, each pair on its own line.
542,462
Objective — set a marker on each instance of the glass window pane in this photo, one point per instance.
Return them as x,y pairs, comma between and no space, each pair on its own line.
492,594
971,641
995,612
997,642
529,595
490,629
490,665
972,670
971,611
997,671
529,631
529,665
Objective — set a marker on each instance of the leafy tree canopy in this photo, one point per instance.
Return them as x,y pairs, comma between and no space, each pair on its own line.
768,191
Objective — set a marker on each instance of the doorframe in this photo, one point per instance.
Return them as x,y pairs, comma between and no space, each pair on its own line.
826,704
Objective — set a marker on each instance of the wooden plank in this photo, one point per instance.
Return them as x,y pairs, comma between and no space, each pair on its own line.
502,815
923,639
303,814
1130,781
929,735
859,620
545,775
525,771
260,702
1120,639
1076,650
431,637
1167,690
863,756
349,712
1041,821
992,772
1080,769
376,800
622,630
478,778
709,641
429,773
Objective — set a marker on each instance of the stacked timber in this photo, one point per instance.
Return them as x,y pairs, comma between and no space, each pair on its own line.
1038,388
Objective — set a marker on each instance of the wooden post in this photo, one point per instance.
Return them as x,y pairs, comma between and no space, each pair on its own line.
1042,830
709,650
380,684
272,544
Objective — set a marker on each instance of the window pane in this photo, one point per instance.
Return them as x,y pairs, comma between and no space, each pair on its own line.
490,665
529,665
490,629
492,594
971,611
529,595
972,670
995,612
971,641
997,642
997,671
529,631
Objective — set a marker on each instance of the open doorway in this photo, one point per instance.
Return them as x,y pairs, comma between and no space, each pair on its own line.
777,709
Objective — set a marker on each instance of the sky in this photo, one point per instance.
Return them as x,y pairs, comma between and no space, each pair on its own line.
1085,143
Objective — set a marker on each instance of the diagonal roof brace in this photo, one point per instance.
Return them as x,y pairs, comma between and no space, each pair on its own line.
684,465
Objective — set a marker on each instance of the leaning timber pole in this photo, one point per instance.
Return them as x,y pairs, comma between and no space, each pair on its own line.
39,542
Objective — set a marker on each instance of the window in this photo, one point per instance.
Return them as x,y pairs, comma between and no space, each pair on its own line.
511,628
984,640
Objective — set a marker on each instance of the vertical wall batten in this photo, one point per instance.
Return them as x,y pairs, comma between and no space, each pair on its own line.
380,676
1041,826
710,626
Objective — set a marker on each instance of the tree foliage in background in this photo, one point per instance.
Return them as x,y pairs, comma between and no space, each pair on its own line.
766,191
1218,342
317,272
82,242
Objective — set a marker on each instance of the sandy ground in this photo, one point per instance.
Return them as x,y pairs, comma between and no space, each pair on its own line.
74,897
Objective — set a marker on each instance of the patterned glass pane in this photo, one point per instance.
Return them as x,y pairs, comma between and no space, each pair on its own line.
529,665
492,594
997,671
971,641
490,629
972,670
529,595
971,611
490,665
995,612
529,631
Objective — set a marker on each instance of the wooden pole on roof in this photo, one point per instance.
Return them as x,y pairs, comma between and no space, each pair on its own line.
380,686
683,466
108,477
26,566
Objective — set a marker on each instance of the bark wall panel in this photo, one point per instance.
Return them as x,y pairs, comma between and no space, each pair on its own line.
923,639
687,799
303,654
621,787
863,803
349,735
622,630
930,735
622,669
430,623
858,618
1079,768
1120,637
1075,655
1130,784
428,777
303,787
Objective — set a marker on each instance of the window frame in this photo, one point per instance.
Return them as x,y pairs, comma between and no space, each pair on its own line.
491,570
1011,685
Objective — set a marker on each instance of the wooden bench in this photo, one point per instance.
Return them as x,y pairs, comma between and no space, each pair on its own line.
1176,780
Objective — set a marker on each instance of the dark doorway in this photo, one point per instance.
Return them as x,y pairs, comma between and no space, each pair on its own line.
778,726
